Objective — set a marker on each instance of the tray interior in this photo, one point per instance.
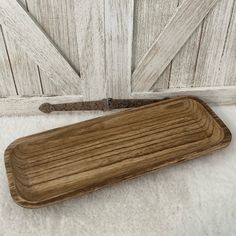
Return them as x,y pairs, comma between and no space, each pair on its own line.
79,158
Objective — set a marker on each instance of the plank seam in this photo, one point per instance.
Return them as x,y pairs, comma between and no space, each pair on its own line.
198,51
105,49
133,51
146,71
227,33
9,60
26,5
132,45
40,79
171,63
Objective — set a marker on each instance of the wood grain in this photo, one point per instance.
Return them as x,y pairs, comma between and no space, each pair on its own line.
150,18
228,61
7,85
57,18
119,37
25,71
222,95
58,164
22,105
36,44
184,63
212,45
90,28
12,106
89,34
188,17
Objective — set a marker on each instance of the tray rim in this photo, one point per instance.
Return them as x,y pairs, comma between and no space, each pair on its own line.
19,200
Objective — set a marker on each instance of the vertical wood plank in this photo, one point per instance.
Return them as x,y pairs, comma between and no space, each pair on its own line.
228,63
57,19
119,37
179,29
7,87
183,65
24,69
212,45
89,17
37,45
151,16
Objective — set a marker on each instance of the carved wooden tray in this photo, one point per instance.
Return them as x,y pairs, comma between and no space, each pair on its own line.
76,159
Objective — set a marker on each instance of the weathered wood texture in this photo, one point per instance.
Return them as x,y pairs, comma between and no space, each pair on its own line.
118,35
7,84
178,30
103,41
90,28
30,105
73,160
57,19
215,29
150,18
184,63
25,71
37,45
228,68
202,62
22,105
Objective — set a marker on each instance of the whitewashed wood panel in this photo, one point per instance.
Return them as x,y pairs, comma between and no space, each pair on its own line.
7,86
96,38
184,63
212,45
188,17
228,62
56,17
150,18
37,45
119,37
222,95
24,69
89,18
30,105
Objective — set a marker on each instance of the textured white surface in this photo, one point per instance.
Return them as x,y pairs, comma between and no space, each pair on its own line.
194,198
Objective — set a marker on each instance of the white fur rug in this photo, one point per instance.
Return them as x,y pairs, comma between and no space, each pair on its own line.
193,198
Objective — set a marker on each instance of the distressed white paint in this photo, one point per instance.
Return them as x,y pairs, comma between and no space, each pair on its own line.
7,87
119,37
212,95
184,63
96,38
56,17
36,44
151,17
30,105
189,15
228,62
89,17
24,69
212,45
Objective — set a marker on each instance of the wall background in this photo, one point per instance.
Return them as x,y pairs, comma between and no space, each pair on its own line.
104,40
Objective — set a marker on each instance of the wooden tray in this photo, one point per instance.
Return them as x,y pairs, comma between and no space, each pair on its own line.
73,160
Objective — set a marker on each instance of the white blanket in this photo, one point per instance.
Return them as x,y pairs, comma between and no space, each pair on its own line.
194,198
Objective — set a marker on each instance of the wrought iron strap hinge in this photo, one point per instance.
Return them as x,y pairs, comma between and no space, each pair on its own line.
106,104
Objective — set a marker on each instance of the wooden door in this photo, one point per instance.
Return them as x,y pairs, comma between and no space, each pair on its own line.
70,50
